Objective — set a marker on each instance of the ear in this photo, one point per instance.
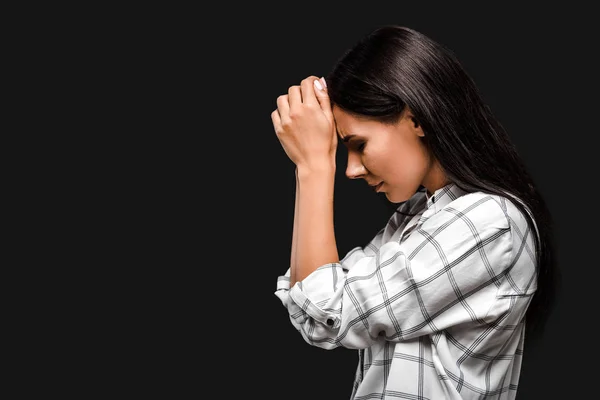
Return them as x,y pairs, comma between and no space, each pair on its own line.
412,120
416,126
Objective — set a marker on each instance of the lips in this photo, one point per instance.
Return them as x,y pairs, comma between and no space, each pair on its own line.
377,187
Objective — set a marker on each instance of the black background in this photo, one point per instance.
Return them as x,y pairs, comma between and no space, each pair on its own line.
214,191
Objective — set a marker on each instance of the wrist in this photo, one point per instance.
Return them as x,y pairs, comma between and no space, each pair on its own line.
321,169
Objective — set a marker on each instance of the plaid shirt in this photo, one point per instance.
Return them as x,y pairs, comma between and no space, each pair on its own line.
435,303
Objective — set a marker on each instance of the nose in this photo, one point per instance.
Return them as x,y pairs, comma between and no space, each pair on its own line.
355,169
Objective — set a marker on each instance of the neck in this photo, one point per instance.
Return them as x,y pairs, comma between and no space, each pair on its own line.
435,179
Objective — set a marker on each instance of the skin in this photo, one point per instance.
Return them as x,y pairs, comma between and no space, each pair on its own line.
391,154
308,127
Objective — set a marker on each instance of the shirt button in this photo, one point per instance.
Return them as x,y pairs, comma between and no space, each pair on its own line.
329,321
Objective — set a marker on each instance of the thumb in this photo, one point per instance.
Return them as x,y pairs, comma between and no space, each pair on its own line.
322,96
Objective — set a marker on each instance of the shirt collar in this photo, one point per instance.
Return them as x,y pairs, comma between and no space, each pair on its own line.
443,196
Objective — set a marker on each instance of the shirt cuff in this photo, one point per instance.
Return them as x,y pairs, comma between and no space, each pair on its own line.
318,296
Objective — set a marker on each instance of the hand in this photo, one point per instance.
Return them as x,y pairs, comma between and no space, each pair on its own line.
304,124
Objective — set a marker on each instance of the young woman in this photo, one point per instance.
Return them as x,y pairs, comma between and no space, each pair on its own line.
438,302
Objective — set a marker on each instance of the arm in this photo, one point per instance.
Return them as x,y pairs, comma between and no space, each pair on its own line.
305,127
459,268
294,237
313,242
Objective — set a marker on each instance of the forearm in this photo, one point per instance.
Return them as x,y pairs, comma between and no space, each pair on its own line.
315,243
294,236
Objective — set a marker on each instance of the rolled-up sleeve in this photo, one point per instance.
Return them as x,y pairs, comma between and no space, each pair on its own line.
315,303
449,271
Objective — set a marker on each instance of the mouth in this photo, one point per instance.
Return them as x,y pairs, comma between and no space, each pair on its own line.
377,186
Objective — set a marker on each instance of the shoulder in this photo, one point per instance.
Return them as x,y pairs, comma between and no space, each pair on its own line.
498,224
486,208
485,218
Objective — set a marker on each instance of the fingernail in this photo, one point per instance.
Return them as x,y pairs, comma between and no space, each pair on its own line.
323,81
318,84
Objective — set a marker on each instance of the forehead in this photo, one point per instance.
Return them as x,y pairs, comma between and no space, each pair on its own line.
347,123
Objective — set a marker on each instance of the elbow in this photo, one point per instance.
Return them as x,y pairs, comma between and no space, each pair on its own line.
325,341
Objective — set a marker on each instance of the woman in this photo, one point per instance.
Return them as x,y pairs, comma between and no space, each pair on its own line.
438,302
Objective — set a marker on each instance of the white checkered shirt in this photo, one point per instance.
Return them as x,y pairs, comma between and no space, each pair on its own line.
434,304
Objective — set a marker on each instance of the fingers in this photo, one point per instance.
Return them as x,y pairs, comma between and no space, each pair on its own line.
312,90
303,93
295,97
308,90
276,120
282,110
320,90
283,105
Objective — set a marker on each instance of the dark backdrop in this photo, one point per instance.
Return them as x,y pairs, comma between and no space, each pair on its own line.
219,191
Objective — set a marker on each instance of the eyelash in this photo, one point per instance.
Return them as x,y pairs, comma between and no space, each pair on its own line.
361,146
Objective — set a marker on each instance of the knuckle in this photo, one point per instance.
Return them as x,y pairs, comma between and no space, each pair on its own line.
309,79
285,124
295,114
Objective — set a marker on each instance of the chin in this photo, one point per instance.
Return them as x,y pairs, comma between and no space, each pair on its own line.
396,199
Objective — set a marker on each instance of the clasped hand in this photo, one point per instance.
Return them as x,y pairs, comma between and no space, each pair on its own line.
304,124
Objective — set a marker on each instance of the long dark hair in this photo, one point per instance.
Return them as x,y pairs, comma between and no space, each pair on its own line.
394,67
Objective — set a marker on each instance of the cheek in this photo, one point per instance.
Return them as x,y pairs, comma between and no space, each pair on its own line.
406,164
378,164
